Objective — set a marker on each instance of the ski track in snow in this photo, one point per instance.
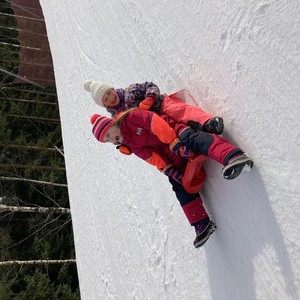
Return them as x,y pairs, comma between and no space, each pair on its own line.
238,60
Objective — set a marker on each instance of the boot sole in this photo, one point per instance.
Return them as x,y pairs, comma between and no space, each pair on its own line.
209,231
247,166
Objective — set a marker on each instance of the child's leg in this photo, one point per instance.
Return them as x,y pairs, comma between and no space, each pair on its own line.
218,149
195,213
190,203
210,145
183,112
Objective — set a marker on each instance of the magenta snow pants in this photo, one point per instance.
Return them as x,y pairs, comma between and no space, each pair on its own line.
191,203
182,112
209,144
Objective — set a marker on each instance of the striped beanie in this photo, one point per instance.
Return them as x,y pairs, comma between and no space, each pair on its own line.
97,90
101,125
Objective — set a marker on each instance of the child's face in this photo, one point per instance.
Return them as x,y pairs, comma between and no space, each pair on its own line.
110,98
113,135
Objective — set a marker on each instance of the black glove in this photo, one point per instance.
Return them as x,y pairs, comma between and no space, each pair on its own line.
195,125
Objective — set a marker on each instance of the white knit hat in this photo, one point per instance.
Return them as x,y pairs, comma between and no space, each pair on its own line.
97,90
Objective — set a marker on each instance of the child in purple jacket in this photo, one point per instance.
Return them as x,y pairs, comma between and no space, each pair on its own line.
147,96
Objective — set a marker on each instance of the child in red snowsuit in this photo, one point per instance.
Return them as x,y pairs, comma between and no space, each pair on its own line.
152,139
147,96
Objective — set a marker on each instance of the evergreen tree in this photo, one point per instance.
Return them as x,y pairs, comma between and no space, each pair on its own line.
31,148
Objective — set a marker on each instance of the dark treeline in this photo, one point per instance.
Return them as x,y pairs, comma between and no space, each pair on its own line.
31,148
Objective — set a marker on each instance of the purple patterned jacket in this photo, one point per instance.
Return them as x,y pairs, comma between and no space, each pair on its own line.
132,95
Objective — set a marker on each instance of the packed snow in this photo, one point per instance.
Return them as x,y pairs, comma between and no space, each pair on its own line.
238,60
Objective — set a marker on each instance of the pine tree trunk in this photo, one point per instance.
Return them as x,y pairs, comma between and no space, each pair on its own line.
28,101
23,17
32,181
42,210
56,121
14,146
18,166
25,90
36,262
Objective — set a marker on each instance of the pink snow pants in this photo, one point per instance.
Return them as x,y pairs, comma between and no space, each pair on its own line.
180,111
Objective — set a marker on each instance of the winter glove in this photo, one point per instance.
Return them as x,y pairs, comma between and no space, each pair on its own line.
195,125
147,102
173,172
123,149
178,147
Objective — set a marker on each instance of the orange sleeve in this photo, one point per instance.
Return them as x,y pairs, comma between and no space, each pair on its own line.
162,130
147,102
156,161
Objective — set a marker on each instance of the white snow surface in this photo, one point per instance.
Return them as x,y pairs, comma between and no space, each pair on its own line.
239,60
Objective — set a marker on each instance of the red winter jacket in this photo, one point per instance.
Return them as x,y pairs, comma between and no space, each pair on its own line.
148,136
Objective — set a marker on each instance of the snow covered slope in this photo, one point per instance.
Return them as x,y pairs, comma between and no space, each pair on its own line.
239,60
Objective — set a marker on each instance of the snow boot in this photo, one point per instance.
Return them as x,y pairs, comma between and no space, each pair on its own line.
238,164
214,125
203,229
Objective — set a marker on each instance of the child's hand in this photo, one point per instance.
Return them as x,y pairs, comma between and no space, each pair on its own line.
147,102
186,152
174,173
124,149
195,125
181,149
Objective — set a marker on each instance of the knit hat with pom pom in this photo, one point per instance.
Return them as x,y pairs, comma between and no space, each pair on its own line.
101,125
97,90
